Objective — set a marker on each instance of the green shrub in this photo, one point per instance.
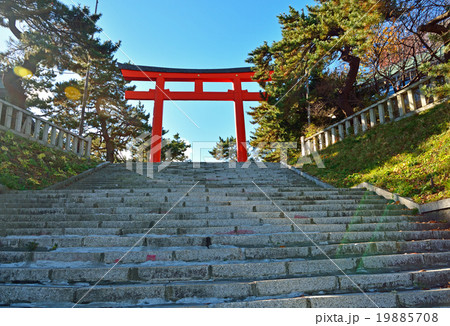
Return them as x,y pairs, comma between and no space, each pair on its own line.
28,165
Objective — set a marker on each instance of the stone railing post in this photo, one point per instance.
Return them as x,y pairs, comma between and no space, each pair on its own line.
333,135
45,132
53,136
314,144
37,129
423,99
327,139
60,139
381,112
355,125
18,124
8,117
27,126
341,131
411,100
363,121
320,137
75,145
390,109
302,145
307,147
373,119
89,145
347,127
400,105
82,151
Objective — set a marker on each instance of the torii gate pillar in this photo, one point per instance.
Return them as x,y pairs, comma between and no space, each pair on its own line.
241,140
155,151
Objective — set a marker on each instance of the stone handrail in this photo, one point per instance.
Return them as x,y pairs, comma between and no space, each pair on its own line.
408,101
25,124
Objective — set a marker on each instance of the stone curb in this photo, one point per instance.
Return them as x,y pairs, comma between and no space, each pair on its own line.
308,177
78,177
443,204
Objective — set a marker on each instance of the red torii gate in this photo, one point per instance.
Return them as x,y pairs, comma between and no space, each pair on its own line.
198,76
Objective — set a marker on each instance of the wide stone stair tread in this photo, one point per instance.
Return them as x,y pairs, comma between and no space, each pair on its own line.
224,244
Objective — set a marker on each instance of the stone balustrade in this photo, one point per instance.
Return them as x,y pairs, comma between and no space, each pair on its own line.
25,124
402,104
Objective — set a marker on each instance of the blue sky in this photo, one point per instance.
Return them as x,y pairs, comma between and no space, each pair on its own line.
191,34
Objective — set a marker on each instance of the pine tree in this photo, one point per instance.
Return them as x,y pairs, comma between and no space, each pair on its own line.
110,120
175,149
51,36
225,149
55,39
334,31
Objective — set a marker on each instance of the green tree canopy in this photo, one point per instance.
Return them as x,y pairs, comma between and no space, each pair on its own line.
47,34
330,31
315,65
225,149
54,38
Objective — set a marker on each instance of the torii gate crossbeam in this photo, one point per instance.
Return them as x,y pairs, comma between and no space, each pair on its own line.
198,76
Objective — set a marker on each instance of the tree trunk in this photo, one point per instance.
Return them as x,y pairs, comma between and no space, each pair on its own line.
14,88
109,150
109,144
346,91
13,83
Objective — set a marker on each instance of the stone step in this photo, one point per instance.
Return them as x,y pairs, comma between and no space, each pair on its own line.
156,272
318,289
52,216
190,200
395,299
198,201
143,221
229,229
268,207
165,209
198,254
173,197
145,202
242,240
187,184
198,190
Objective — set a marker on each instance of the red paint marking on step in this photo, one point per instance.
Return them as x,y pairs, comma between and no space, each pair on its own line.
116,261
299,216
245,232
150,257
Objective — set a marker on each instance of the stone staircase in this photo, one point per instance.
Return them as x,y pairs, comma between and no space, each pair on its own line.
217,237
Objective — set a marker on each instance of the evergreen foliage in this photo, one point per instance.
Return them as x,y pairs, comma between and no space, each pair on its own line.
53,39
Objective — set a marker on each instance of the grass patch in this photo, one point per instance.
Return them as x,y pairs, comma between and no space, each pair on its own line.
410,157
26,165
